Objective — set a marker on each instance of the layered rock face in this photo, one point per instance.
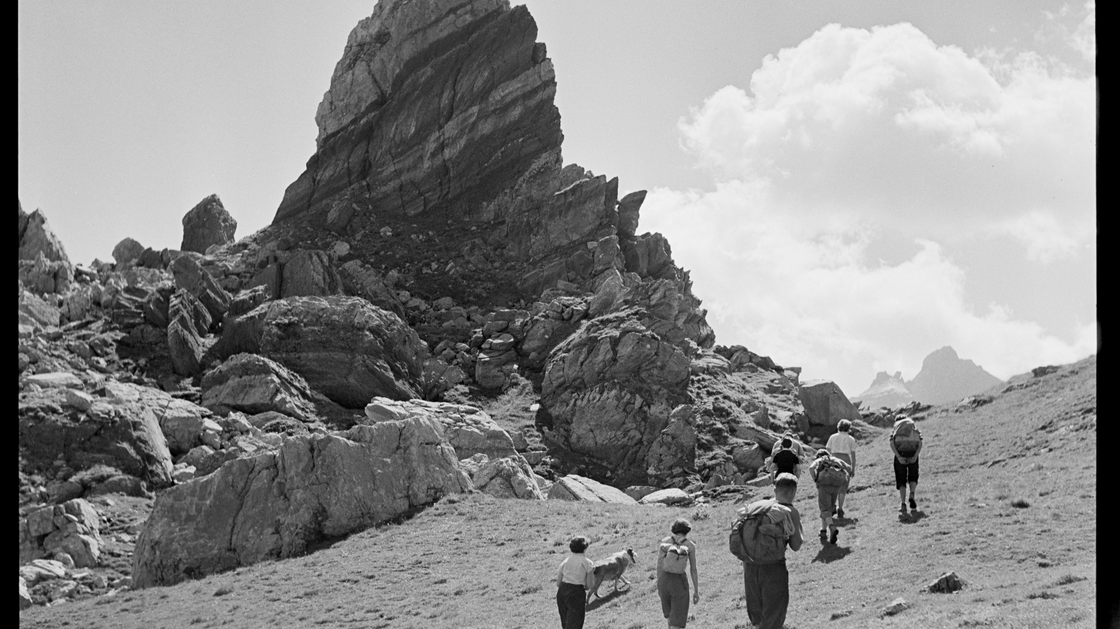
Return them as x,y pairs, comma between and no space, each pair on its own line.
434,106
275,505
344,347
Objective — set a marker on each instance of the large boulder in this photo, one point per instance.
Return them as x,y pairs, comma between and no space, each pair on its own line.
468,429
127,250
507,477
573,487
278,504
825,405
344,347
36,237
607,395
207,224
254,384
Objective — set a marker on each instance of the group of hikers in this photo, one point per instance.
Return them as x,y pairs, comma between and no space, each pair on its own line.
760,534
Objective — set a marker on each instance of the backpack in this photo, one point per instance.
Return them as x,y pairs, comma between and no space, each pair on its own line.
785,460
673,558
906,437
830,473
754,538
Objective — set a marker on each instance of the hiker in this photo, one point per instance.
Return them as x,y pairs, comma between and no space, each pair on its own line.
906,443
572,582
830,474
785,457
842,445
764,529
676,554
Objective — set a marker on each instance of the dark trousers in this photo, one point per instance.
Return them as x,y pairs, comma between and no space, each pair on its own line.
570,600
767,594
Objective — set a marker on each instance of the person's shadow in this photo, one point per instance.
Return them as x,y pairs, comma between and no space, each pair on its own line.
912,517
830,553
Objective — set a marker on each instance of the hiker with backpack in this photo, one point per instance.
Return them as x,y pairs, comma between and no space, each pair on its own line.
785,457
676,555
572,582
831,475
906,444
759,538
842,445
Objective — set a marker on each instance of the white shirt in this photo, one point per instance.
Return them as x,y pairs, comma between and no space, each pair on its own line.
575,569
841,443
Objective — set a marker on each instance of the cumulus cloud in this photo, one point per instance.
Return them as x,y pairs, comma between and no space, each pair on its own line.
854,136
887,120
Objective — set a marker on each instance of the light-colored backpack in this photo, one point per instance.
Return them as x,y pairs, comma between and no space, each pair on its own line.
673,558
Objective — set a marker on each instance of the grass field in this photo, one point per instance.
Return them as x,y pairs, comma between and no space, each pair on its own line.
1007,500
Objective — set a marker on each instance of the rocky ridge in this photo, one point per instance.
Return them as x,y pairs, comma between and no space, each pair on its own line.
436,256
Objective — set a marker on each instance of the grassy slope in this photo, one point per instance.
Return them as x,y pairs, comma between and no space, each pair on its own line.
473,561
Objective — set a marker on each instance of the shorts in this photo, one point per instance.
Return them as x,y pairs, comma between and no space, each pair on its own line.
904,473
673,590
826,500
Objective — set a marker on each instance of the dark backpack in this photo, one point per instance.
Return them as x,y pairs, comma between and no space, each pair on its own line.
754,538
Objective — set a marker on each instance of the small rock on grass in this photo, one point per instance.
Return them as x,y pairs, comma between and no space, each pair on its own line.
897,605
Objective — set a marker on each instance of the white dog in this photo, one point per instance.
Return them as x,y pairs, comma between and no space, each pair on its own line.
611,569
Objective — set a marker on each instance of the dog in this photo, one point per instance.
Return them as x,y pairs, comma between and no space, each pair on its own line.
611,569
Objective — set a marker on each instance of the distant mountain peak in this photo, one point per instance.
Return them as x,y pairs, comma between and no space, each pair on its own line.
945,377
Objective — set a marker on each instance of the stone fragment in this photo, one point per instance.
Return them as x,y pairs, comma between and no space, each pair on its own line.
36,237
671,496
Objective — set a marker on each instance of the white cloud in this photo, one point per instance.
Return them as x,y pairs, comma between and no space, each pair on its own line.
804,293
1045,237
888,121
854,135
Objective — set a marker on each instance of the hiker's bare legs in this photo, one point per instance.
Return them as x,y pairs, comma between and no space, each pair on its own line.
913,488
840,501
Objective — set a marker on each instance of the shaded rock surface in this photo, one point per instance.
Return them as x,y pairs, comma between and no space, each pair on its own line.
206,225
345,347
276,505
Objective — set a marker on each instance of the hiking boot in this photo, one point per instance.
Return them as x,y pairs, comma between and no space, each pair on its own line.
832,538
824,536
913,504
902,508
839,513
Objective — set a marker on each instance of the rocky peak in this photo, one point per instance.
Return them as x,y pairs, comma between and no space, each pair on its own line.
945,378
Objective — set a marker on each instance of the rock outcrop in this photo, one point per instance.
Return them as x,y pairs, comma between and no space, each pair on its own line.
36,237
206,225
468,429
424,90
276,505
344,347
254,384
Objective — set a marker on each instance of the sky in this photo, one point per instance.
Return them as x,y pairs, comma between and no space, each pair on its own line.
850,185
